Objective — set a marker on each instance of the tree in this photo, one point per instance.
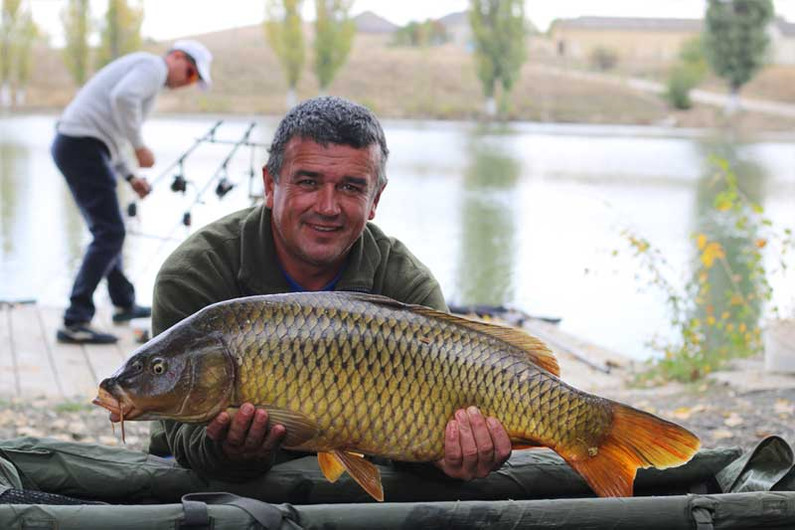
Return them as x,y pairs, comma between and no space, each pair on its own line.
23,54
286,37
417,34
686,74
735,41
498,28
17,33
76,18
7,28
334,31
121,32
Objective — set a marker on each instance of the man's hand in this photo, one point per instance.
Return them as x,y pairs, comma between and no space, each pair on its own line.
247,436
474,446
140,186
145,157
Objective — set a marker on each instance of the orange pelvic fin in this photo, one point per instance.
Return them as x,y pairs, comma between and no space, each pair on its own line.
331,466
362,471
636,439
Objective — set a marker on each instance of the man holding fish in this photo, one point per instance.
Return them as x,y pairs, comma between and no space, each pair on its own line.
323,181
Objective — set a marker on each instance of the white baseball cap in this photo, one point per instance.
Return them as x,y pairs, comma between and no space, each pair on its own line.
201,56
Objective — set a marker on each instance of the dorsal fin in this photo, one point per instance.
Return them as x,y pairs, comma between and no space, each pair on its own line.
537,351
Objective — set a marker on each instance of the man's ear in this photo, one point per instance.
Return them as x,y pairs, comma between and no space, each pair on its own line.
375,203
268,184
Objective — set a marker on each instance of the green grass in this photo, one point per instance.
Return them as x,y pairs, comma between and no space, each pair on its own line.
73,406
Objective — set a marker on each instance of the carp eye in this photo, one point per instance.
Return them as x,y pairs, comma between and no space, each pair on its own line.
158,366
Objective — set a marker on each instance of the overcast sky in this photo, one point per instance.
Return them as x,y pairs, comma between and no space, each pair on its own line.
169,19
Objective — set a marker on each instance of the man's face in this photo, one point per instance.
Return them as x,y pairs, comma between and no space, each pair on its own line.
182,70
323,199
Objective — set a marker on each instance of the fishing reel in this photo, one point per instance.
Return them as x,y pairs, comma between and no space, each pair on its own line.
224,186
179,183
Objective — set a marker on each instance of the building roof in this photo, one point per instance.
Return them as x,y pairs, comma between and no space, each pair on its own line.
630,23
369,22
455,19
786,28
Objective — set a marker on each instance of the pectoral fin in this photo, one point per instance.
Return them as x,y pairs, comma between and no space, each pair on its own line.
331,466
362,471
299,428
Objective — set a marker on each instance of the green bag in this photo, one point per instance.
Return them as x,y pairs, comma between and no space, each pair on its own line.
151,492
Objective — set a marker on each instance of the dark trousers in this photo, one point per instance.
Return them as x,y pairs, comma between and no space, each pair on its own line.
85,163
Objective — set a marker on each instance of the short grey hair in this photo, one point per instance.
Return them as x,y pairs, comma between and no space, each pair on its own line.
328,120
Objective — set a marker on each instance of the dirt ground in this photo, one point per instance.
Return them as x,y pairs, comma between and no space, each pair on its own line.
720,414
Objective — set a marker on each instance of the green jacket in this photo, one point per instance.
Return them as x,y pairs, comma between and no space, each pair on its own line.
235,257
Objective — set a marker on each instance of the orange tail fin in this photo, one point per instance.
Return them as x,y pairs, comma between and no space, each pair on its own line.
636,439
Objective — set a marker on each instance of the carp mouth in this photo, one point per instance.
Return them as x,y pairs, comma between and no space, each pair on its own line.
121,408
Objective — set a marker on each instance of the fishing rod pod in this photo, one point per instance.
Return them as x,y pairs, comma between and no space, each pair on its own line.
179,184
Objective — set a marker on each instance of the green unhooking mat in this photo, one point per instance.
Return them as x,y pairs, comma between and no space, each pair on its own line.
60,485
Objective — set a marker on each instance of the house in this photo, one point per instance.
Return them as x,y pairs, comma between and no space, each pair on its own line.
649,40
782,42
457,27
632,40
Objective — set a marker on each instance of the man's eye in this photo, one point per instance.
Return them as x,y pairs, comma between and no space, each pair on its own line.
307,183
351,188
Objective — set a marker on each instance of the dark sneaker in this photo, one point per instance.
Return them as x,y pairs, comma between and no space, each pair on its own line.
125,314
84,334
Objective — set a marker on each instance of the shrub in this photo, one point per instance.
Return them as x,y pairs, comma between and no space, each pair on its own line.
603,58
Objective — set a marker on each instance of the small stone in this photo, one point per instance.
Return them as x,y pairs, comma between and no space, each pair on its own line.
30,431
721,434
784,407
733,420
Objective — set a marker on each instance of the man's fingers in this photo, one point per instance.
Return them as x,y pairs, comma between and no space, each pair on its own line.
217,428
240,425
469,448
452,446
257,431
484,462
502,442
482,436
274,438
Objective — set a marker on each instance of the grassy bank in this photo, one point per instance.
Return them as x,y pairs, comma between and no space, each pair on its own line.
435,83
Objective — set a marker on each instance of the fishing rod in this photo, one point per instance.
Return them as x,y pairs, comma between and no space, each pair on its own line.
251,194
179,183
221,175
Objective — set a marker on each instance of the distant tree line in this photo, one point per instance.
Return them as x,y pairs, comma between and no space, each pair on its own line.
498,28
17,34
418,34
498,43
120,34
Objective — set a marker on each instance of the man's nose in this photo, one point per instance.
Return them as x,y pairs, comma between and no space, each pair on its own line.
327,203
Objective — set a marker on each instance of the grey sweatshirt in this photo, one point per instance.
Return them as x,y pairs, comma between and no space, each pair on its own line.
112,106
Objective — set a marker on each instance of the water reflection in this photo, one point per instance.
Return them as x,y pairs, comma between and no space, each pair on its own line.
488,222
732,305
12,160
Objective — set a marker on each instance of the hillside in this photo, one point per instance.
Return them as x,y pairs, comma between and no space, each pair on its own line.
396,82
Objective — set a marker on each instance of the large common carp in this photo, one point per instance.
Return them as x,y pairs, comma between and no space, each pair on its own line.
350,373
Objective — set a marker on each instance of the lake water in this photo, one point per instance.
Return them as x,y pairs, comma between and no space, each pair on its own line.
524,215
